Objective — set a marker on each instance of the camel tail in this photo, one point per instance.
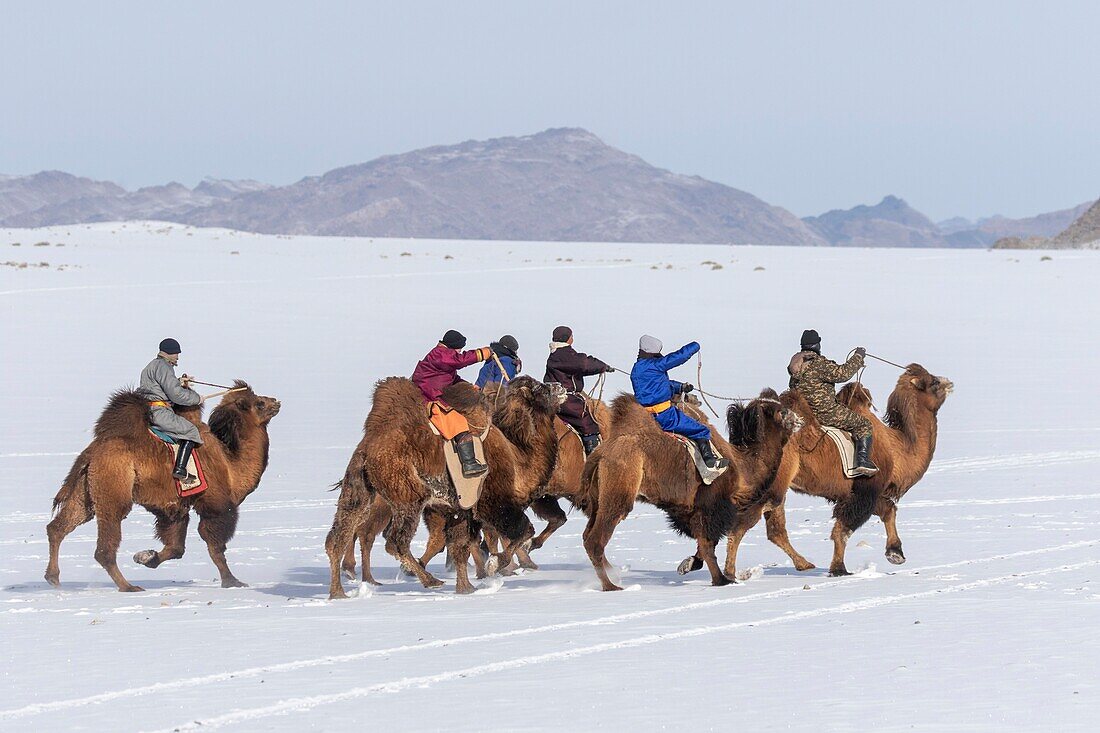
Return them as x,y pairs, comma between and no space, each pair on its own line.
354,483
586,499
71,483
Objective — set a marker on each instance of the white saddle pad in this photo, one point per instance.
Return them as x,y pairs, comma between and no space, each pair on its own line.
706,473
468,489
845,447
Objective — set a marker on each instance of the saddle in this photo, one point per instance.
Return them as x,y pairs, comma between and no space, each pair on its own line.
468,489
194,466
845,448
706,473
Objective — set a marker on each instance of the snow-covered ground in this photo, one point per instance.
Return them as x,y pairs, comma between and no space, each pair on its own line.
994,623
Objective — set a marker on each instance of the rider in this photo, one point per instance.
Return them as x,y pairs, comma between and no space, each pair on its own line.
568,367
159,384
814,377
507,351
654,391
437,371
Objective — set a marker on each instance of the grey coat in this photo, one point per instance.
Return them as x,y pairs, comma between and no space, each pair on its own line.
159,383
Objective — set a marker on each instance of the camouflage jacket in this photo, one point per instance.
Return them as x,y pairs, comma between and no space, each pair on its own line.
814,376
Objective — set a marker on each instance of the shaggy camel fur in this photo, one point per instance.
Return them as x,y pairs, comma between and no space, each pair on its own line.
400,461
125,464
643,462
902,449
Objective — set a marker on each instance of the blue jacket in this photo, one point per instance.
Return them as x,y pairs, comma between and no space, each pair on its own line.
490,372
649,377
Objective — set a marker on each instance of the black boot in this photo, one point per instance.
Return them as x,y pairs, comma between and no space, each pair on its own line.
590,442
183,455
709,458
464,446
864,465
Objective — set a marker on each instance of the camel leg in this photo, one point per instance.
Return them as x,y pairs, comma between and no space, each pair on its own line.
459,538
437,536
73,512
887,511
706,549
776,522
601,526
215,528
549,510
172,531
109,525
850,514
480,571
745,521
510,548
402,528
378,517
352,516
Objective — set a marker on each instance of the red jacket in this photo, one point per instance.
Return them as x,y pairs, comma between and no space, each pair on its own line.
439,369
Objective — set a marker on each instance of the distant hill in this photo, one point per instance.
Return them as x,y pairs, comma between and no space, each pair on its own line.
561,185
891,222
1083,233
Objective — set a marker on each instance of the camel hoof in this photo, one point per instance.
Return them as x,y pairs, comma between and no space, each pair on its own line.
722,580
131,589
369,580
233,583
895,557
337,594
689,565
611,587
145,557
528,565
432,582
465,590
54,580
804,566
348,574
840,572
492,564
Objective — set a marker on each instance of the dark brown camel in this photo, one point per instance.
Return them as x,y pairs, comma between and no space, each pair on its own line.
125,464
643,462
902,449
400,462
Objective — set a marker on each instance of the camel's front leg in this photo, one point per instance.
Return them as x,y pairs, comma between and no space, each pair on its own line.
172,531
745,521
887,510
215,528
776,522
109,524
402,528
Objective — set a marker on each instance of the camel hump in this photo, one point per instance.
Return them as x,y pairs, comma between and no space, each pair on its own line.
855,395
126,415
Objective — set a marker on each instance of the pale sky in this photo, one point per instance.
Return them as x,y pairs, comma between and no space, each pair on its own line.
961,108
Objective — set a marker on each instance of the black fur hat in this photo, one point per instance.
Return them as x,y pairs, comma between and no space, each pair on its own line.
170,346
453,339
811,341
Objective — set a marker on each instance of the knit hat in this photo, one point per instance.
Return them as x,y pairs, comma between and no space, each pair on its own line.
509,342
562,334
650,345
453,339
170,346
810,340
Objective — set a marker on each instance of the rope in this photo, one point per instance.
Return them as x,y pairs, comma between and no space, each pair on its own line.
192,380
705,394
891,363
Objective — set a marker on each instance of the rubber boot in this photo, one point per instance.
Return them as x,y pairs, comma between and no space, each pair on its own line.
464,446
709,458
590,442
179,471
864,465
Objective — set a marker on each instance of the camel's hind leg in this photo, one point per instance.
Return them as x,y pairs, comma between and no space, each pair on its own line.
216,527
610,502
402,528
850,514
459,538
109,525
437,536
352,513
887,511
549,510
172,531
71,513
776,523
378,517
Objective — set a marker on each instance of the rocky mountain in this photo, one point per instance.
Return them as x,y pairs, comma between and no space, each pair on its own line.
891,222
23,194
1085,232
559,185
984,232
563,184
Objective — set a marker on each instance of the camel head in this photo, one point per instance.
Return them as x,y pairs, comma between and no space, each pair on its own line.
244,406
749,422
532,394
923,387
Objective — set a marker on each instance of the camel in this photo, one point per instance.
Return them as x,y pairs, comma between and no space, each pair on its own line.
543,500
126,465
398,469
643,462
902,449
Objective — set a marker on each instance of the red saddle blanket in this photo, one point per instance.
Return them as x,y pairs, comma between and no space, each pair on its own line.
194,467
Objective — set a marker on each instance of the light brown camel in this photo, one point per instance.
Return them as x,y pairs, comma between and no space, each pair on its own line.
126,465
643,462
399,462
902,449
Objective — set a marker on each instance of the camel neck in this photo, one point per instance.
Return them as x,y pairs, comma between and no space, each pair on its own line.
248,465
